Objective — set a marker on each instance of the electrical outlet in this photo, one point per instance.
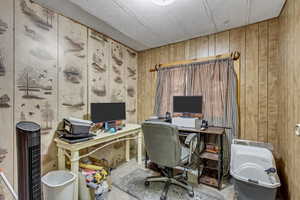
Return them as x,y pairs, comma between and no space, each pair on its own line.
297,129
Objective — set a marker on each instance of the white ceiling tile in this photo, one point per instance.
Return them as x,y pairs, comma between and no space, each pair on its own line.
229,13
153,25
265,9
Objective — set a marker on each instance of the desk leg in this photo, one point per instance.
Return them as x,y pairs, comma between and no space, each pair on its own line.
140,141
61,159
75,170
127,150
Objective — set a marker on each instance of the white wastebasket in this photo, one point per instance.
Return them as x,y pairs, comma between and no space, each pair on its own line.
58,185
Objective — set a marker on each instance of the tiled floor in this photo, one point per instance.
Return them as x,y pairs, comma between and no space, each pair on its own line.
117,194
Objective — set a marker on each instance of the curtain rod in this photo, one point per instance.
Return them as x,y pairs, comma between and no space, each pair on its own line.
234,55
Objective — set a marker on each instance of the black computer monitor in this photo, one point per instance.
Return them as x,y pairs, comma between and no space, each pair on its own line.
105,112
187,104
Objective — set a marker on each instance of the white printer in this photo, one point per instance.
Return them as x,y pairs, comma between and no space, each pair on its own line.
187,122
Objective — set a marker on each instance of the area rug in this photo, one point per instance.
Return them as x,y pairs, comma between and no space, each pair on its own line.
133,184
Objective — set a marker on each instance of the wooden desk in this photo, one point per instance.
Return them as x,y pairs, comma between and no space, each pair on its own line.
219,132
129,132
210,130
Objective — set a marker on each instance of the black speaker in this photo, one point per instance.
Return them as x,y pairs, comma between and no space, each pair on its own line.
29,160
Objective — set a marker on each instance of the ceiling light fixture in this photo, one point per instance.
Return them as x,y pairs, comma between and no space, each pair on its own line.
163,2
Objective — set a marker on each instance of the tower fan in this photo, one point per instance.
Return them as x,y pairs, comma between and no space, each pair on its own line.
29,160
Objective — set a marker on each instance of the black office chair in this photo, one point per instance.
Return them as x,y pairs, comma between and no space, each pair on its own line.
163,148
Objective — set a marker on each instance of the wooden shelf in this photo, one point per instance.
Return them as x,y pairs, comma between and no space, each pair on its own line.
209,156
211,168
212,157
209,181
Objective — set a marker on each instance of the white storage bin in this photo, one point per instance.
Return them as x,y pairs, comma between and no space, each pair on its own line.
58,185
254,170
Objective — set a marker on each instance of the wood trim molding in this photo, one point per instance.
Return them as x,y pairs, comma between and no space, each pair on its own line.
234,55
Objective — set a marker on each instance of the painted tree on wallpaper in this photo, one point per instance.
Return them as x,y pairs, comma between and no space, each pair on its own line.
35,83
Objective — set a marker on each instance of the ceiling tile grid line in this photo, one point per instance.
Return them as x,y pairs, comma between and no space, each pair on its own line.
210,14
132,13
248,12
160,39
181,26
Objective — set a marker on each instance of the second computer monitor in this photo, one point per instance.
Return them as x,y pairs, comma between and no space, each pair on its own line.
187,104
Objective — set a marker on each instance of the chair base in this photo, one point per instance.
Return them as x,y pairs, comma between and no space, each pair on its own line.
169,180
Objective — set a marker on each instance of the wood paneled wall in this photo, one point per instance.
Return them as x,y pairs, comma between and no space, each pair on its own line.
289,106
51,68
258,45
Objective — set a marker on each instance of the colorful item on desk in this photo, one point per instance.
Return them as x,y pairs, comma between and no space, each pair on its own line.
96,127
113,126
110,127
112,130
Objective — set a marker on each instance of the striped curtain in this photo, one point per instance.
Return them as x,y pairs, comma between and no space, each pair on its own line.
216,81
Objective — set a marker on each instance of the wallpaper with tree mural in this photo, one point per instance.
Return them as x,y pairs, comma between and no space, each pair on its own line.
60,67
6,92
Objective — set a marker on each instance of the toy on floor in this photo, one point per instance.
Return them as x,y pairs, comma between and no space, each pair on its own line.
100,189
96,179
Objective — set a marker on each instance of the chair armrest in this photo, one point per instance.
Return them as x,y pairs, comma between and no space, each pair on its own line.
191,140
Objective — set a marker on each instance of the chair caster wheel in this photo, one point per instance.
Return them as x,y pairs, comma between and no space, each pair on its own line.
191,194
147,183
163,198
